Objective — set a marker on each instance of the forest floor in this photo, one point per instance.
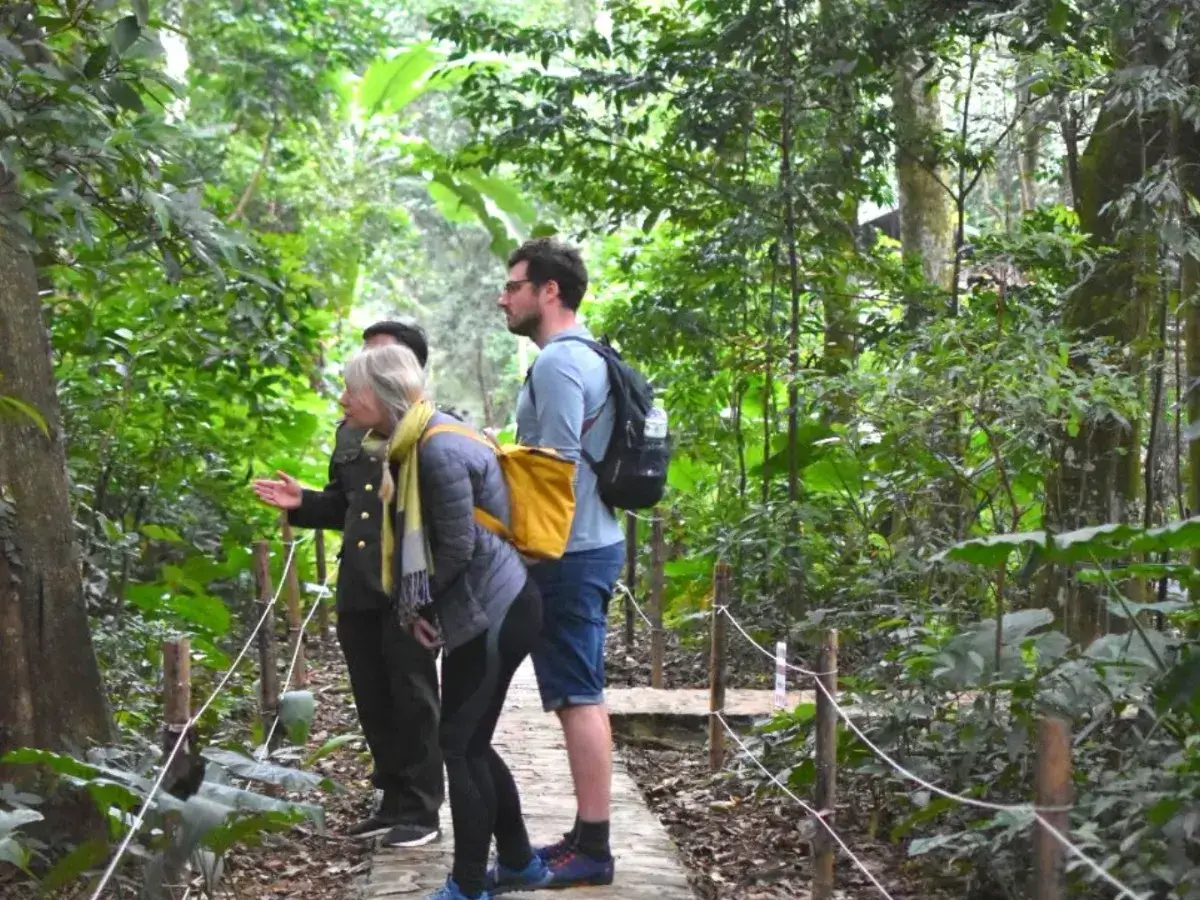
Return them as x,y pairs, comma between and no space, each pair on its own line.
301,864
737,841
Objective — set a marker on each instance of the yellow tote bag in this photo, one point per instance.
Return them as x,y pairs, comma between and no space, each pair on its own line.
541,492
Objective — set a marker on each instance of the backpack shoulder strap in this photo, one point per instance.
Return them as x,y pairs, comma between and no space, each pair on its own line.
455,428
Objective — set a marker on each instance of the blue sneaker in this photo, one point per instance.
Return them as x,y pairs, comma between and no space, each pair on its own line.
575,869
500,880
558,849
450,891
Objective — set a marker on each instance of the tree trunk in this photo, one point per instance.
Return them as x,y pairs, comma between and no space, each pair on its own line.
1191,305
1096,479
926,206
52,693
1033,128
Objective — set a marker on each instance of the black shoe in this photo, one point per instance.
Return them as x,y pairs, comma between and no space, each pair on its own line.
377,823
409,834
383,819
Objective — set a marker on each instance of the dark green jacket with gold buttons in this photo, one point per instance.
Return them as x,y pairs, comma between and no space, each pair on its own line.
350,504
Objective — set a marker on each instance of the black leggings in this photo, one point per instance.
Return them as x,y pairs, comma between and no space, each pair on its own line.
483,796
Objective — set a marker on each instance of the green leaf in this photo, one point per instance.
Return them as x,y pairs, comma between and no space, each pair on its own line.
162,533
125,32
1162,606
506,196
124,96
11,821
330,746
503,239
390,86
13,406
14,853
269,773
296,711
95,62
1100,541
247,830
544,229
992,550
87,855
58,763
921,846
248,801
1182,535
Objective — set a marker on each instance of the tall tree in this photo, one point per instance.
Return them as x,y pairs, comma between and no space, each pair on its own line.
53,696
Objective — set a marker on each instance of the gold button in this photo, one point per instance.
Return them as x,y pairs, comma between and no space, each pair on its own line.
361,544
369,487
366,515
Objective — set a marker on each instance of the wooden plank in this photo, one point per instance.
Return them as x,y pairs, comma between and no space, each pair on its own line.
648,866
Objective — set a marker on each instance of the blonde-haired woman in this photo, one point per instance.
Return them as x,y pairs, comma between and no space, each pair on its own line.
459,587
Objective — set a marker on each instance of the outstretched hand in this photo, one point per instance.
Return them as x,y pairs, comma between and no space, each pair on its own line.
283,494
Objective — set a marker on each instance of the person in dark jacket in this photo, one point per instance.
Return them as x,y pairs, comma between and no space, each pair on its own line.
459,587
393,677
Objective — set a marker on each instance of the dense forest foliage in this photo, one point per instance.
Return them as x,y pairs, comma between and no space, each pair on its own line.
917,282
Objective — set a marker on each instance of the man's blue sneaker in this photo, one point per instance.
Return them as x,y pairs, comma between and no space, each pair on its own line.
450,891
575,869
553,851
500,880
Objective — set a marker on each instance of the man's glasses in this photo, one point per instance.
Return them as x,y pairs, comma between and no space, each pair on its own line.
512,286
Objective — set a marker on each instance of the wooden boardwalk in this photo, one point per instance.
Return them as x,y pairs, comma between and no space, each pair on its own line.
692,703
648,867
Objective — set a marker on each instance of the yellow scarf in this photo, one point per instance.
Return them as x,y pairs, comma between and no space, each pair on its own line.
416,563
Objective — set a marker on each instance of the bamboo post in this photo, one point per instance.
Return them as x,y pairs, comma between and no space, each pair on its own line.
177,691
294,617
1052,788
717,665
177,714
268,695
630,573
322,575
657,637
826,788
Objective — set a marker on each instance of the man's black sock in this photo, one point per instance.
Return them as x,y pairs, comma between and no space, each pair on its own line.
591,839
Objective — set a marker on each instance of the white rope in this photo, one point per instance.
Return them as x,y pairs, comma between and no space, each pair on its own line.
1022,808
322,593
186,730
812,812
764,651
633,601
1124,890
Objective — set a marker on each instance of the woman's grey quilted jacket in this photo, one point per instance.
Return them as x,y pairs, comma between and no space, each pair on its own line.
476,575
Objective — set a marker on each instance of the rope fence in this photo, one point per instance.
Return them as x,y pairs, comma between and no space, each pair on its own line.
1048,812
321,593
186,728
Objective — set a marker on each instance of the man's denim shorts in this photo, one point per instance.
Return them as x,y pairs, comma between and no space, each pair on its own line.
576,590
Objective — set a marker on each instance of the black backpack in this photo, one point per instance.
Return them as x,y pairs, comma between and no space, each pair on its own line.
633,472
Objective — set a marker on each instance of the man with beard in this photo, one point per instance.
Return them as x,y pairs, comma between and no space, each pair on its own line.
565,404
394,678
